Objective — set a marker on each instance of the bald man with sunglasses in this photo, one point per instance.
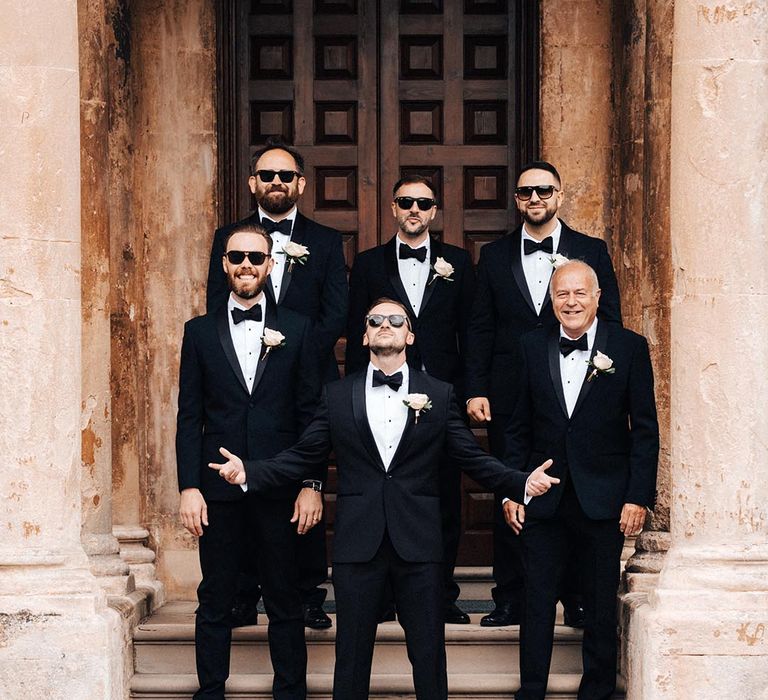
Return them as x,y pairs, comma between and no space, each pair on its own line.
435,282
389,426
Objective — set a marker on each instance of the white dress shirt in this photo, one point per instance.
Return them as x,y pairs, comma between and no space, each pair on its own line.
246,337
413,274
573,368
538,268
387,414
278,242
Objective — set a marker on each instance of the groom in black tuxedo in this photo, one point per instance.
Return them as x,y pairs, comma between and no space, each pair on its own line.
315,286
511,298
247,378
389,426
435,282
586,402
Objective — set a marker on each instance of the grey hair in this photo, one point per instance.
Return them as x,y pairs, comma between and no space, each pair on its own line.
569,265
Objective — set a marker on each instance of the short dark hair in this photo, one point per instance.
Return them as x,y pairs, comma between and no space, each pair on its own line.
249,228
387,300
275,144
414,180
540,165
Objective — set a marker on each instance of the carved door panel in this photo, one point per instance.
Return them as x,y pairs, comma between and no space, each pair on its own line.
370,90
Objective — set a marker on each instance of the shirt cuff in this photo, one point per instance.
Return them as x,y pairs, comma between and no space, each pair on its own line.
244,487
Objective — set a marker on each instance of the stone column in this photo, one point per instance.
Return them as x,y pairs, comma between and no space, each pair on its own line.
59,640
704,632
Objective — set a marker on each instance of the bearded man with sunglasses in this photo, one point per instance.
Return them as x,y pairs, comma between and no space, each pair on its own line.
389,426
312,283
248,377
435,282
511,299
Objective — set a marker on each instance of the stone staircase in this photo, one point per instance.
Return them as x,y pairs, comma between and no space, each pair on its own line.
482,662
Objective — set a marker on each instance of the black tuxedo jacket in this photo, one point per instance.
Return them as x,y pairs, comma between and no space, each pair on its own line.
403,501
317,289
442,321
609,446
503,311
216,409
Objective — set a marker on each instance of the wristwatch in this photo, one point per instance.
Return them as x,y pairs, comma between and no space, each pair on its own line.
314,484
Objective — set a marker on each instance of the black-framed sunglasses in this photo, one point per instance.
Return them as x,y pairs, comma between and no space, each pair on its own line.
286,176
395,320
256,257
543,192
423,203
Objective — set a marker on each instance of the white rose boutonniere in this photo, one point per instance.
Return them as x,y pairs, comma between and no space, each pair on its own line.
271,339
295,253
418,402
601,364
443,269
557,260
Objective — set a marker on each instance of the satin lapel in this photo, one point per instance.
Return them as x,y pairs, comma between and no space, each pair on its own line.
553,352
390,253
298,235
517,267
270,321
435,250
222,324
601,338
563,248
361,419
415,386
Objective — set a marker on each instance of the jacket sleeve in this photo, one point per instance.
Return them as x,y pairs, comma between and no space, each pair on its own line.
464,312
356,356
299,462
189,419
610,303
216,288
334,299
308,389
517,436
482,333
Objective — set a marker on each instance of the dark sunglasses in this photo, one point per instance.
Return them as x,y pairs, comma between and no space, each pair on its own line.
423,203
395,320
285,176
543,191
256,257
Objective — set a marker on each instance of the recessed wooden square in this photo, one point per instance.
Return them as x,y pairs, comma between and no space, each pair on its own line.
485,122
336,188
271,7
485,187
485,57
271,119
433,174
421,57
335,57
336,122
271,57
475,240
485,7
421,122
336,7
421,7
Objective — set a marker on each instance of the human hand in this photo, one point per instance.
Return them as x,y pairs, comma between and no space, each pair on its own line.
514,514
307,510
632,519
539,482
232,470
479,409
193,511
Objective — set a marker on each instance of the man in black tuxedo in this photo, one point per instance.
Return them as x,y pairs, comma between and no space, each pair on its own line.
389,426
510,300
586,402
248,377
435,282
313,284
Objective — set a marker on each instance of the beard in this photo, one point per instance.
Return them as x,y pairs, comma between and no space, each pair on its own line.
242,289
275,200
386,347
529,219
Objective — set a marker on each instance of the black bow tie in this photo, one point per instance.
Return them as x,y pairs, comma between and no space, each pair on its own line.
394,381
283,226
407,252
530,246
567,346
252,314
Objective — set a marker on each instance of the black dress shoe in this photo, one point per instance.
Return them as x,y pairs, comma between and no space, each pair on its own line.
387,614
503,615
573,616
454,615
244,612
315,617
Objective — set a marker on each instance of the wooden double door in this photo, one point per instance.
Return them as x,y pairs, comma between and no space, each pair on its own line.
369,91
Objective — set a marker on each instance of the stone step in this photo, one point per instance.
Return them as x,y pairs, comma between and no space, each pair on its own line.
164,644
469,686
